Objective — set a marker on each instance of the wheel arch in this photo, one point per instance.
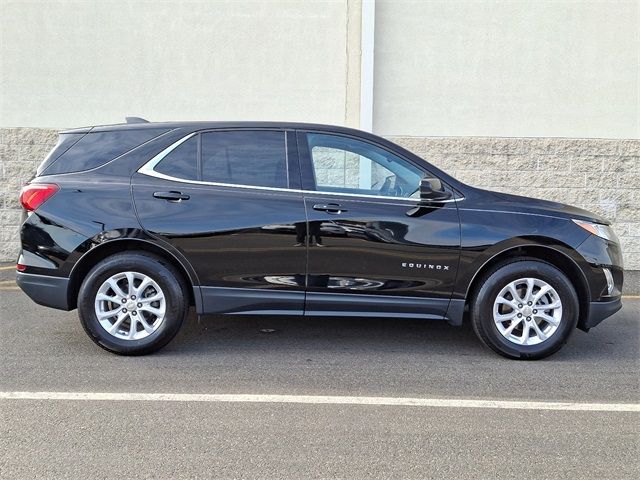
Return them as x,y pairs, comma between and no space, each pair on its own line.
546,253
87,261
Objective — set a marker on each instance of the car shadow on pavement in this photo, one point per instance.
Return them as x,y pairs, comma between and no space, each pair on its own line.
247,334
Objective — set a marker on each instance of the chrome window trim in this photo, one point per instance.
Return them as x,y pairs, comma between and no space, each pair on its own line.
148,169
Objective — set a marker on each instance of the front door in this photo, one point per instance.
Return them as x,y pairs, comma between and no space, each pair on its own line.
365,253
227,200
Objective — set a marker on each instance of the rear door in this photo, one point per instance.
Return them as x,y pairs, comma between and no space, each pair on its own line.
230,202
366,253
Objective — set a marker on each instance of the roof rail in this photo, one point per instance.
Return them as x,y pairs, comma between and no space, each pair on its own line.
135,120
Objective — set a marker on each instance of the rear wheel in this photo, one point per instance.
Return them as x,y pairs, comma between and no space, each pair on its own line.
132,303
524,309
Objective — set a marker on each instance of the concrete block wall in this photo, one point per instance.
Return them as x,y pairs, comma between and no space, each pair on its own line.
596,174
21,151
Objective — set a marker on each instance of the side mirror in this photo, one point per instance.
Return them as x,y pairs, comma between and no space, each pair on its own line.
432,191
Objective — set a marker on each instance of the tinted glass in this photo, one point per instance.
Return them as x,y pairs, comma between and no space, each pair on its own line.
343,164
182,161
95,149
245,157
65,141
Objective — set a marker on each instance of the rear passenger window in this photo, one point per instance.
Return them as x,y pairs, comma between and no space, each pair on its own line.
254,158
182,161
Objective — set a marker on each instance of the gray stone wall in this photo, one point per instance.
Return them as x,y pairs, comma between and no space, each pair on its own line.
596,174
21,151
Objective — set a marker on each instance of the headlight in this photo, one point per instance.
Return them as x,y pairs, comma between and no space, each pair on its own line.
598,229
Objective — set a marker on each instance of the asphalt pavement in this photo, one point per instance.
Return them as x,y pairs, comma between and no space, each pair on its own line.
44,350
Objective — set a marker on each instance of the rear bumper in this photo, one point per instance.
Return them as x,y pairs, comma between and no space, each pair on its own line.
45,290
598,311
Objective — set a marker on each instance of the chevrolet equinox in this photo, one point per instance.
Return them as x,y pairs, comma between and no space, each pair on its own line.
134,223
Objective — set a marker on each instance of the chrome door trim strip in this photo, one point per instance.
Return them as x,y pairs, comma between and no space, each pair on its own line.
148,169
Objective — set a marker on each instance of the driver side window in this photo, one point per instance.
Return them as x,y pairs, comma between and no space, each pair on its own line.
343,164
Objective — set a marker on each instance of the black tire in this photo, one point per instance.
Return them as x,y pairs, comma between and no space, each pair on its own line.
163,273
490,286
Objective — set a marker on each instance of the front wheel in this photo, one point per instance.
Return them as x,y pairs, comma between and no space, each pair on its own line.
524,309
132,303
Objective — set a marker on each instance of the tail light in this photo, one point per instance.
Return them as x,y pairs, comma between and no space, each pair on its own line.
33,195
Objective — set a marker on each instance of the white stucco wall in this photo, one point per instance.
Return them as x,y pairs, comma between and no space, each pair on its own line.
507,68
442,67
73,63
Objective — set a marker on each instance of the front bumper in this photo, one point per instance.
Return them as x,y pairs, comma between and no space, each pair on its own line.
45,290
603,270
598,311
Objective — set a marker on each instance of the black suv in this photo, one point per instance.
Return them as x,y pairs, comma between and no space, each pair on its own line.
133,223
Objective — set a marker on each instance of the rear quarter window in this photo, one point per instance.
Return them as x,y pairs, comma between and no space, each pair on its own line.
65,142
96,149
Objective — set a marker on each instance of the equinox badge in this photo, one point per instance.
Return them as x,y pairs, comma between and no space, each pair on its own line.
428,266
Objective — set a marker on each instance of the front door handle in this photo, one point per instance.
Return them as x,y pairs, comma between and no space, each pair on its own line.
171,196
333,208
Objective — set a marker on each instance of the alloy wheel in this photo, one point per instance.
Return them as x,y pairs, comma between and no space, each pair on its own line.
130,305
527,311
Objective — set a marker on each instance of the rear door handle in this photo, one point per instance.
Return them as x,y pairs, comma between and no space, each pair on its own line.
171,196
333,208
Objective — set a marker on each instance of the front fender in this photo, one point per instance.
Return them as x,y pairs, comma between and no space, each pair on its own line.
472,264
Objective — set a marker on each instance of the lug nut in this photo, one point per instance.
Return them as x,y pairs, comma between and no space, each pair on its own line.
140,306
133,297
124,300
124,310
535,311
529,303
134,313
528,318
519,305
519,315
